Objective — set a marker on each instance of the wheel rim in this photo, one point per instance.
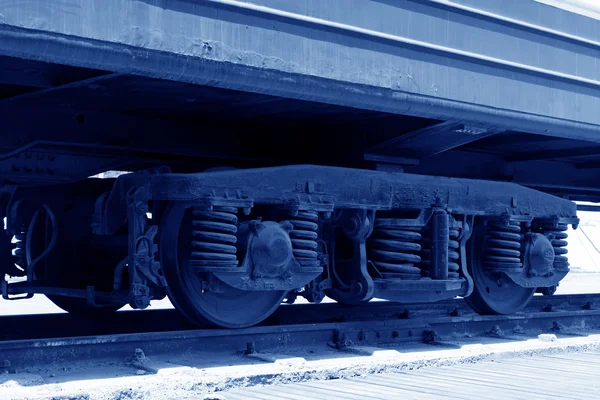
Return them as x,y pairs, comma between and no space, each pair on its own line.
492,293
232,308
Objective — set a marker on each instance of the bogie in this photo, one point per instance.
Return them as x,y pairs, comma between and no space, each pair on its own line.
229,246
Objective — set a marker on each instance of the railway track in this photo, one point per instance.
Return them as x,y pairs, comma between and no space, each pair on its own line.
60,338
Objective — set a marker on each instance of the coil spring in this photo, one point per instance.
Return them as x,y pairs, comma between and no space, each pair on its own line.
503,245
559,243
392,250
304,236
20,248
213,237
453,255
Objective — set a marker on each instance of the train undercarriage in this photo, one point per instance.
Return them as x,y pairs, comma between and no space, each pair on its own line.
229,246
404,150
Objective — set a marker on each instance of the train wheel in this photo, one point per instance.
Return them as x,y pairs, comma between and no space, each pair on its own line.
492,294
230,307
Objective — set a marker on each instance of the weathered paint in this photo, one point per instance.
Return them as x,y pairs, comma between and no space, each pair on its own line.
513,64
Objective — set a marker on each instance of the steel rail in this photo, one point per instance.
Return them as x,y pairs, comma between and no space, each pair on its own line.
303,326
16,327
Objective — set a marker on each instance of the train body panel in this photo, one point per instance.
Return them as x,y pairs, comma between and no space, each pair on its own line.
522,66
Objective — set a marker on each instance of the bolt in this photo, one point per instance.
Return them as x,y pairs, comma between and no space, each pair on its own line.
362,335
547,308
557,327
357,287
142,207
395,334
496,331
250,349
141,302
354,223
336,335
429,336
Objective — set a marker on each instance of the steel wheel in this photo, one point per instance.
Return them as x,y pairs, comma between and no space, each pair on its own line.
232,308
492,293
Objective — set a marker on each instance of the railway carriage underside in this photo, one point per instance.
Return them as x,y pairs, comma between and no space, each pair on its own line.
281,149
229,246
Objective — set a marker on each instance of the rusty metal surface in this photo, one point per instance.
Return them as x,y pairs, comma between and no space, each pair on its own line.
14,327
558,315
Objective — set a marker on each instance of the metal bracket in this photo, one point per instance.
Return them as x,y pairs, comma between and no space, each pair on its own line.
357,225
522,280
143,268
6,296
463,238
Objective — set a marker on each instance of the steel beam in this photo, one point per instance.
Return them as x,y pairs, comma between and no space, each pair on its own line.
587,151
431,140
52,90
588,207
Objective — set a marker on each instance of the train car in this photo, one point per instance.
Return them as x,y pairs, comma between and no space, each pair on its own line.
407,150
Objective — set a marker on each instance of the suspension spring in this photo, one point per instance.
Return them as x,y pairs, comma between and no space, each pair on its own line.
559,231
20,255
503,245
393,250
213,237
453,255
304,236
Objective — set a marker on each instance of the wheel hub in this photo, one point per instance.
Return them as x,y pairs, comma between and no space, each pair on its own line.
497,246
192,286
540,255
270,249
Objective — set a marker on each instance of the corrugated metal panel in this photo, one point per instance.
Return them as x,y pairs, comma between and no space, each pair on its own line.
564,376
